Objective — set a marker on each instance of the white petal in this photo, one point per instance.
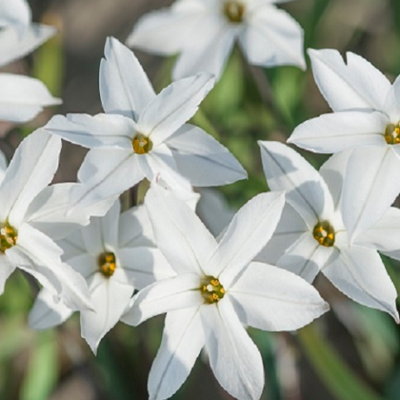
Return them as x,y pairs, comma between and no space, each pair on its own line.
110,299
31,169
144,266
173,106
360,274
181,236
102,130
370,187
6,269
272,37
182,291
46,312
72,246
182,341
14,46
331,133
16,13
392,101
22,98
211,43
306,257
273,299
353,86
248,232
203,160
85,264
125,88
234,358
105,173
290,227
306,191
385,234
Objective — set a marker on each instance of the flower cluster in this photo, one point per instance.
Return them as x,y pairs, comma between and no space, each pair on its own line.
159,257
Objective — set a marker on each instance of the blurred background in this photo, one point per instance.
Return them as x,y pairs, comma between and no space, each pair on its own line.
352,353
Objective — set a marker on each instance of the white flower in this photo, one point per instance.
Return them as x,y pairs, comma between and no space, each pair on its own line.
116,255
215,291
142,133
205,31
313,235
22,244
366,119
21,97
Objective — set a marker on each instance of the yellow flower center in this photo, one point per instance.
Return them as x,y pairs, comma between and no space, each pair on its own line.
234,11
8,237
141,144
392,134
212,290
324,234
107,264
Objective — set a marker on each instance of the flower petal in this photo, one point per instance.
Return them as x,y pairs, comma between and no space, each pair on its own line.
234,358
180,235
360,274
102,130
370,187
31,169
125,88
16,13
273,299
6,269
248,232
353,86
167,295
203,160
182,341
331,133
306,191
173,106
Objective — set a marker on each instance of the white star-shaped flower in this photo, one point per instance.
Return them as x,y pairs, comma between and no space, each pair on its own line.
116,255
143,134
205,31
21,97
29,212
216,290
312,235
366,119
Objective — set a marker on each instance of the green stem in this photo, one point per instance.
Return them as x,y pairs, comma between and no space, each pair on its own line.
336,375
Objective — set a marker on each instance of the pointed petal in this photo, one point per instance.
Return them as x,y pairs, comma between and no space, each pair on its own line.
306,191
6,269
102,130
125,88
14,46
182,341
180,235
203,160
31,169
46,312
182,291
16,13
392,101
353,86
306,257
360,274
369,190
173,106
110,299
272,299
105,173
22,98
234,358
331,133
272,37
248,232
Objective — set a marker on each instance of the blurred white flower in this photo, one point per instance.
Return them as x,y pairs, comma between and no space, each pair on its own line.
116,255
366,119
204,32
21,97
22,244
312,235
143,134
215,291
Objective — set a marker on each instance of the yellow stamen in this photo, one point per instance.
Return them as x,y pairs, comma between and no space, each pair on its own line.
234,11
392,134
324,234
8,237
107,263
141,144
212,290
